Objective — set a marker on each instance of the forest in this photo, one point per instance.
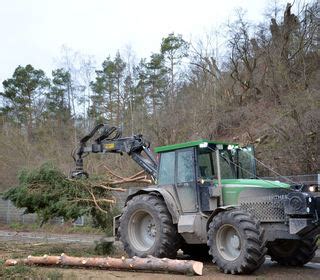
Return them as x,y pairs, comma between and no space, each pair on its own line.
264,90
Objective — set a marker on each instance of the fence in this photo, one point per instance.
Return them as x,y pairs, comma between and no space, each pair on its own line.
10,214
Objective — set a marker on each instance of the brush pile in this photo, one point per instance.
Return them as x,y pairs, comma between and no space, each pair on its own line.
49,193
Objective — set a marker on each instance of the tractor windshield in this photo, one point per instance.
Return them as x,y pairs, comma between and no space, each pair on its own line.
235,163
246,162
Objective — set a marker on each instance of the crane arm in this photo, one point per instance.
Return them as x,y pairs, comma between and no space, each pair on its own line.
110,141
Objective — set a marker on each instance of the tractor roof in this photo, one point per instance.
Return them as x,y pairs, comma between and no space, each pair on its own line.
189,144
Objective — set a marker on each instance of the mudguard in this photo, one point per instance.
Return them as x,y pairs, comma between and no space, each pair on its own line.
218,210
167,197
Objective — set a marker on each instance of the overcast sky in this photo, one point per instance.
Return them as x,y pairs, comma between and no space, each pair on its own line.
33,31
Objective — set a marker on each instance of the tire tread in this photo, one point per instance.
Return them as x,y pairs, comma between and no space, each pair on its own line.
254,254
169,241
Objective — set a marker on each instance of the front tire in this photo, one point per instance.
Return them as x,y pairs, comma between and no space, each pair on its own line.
292,252
146,228
236,242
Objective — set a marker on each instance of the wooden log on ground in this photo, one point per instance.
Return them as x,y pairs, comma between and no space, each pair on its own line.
150,263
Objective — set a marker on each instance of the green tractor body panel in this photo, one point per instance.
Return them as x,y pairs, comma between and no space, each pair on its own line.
233,187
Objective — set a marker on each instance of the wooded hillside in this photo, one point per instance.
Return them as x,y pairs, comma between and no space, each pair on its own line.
265,90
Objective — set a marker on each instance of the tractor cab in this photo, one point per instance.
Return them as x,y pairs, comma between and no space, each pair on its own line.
197,170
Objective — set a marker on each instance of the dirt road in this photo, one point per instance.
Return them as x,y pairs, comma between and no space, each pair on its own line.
267,271
18,244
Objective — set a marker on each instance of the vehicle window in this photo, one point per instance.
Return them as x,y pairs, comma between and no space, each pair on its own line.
226,166
166,170
185,166
246,163
205,165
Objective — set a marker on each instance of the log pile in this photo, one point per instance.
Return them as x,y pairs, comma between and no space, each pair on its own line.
148,264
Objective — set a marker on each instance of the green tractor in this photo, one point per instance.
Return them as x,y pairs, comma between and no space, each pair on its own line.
207,200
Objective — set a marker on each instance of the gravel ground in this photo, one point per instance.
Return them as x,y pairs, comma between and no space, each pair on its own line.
269,270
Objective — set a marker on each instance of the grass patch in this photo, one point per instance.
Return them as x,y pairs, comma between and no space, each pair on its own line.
71,249
54,275
104,248
27,272
17,272
22,227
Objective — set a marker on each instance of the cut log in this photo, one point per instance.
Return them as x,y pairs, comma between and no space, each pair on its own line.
150,263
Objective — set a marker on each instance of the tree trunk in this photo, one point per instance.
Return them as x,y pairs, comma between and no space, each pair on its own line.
150,263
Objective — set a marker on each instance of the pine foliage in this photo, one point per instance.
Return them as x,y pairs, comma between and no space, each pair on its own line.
49,193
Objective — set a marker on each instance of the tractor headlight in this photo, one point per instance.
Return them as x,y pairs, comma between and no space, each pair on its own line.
312,188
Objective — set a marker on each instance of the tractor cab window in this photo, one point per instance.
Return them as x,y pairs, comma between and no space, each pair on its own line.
205,163
246,162
185,182
166,169
227,166
237,162
185,166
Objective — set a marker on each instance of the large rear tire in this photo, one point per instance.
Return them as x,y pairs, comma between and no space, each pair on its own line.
146,228
292,252
236,242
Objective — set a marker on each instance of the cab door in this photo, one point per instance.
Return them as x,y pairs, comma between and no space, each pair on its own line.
206,176
186,180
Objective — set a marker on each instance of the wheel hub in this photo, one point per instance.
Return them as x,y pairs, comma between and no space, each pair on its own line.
235,242
142,230
228,242
152,230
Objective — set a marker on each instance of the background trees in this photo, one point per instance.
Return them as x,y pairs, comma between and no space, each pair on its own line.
265,91
173,48
24,97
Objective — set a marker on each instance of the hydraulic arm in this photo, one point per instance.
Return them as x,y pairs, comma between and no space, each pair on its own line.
110,141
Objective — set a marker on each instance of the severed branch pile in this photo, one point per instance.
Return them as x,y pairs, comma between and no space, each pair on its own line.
49,193
135,263
140,177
